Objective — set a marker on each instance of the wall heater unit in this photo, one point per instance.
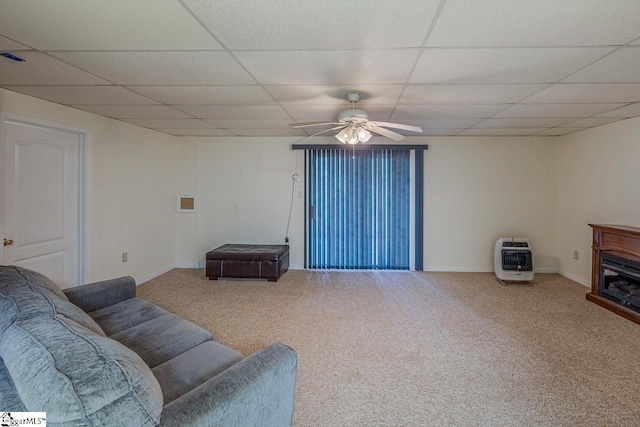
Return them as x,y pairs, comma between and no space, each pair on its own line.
513,260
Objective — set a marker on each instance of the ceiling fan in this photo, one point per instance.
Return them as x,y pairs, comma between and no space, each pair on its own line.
356,126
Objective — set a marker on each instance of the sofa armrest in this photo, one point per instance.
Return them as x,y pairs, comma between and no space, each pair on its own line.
95,296
257,391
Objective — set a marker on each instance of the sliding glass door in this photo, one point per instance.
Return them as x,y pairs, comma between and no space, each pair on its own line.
359,206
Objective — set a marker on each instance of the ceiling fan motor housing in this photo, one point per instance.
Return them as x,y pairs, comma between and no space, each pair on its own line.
353,115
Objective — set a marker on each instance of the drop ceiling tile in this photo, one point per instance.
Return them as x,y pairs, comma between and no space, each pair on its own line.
631,110
8,44
85,95
436,132
250,123
509,65
591,122
268,132
426,132
500,132
338,67
520,111
330,112
440,123
170,123
328,130
523,123
558,131
160,68
234,112
328,24
39,68
134,111
622,66
323,94
587,93
196,132
477,111
306,113
207,95
536,23
104,25
468,94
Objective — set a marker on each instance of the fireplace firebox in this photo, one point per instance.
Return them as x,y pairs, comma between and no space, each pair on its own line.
620,281
615,278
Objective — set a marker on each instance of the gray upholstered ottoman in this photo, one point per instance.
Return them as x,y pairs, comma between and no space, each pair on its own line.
248,261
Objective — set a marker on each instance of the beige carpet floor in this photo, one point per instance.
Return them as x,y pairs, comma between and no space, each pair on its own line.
422,349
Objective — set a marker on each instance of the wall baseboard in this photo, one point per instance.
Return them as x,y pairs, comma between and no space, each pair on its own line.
575,278
153,275
545,270
459,269
187,265
482,270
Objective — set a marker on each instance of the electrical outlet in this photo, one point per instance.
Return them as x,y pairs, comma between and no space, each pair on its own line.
575,254
300,194
124,257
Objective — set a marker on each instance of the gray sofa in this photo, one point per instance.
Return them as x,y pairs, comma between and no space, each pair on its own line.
98,355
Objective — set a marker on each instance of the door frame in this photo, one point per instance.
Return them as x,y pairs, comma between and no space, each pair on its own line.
84,184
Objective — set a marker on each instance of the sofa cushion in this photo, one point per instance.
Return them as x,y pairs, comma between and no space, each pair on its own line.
77,376
126,314
14,273
162,338
8,313
34,295
188,370
9,399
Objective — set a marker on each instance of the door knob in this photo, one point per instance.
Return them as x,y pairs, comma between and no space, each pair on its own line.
8,242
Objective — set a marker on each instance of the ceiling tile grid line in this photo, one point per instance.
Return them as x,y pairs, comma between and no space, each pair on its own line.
589,65
108,84
235,58
25,48
74,66
521,67
256,80
202,25
424,43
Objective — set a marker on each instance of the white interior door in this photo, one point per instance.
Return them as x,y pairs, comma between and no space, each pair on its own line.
41,192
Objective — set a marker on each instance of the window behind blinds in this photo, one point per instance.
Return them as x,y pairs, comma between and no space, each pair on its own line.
359,209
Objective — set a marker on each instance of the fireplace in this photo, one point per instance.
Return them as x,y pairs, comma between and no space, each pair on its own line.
620,280
615,280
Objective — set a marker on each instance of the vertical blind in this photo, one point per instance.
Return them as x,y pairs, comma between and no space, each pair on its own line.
359,209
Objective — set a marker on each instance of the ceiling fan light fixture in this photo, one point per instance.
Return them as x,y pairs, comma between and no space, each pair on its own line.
353,135
363,135
344,135
353,140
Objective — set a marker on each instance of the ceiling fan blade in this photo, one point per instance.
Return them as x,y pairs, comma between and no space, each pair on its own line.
399,126
318,133
304,125
386,132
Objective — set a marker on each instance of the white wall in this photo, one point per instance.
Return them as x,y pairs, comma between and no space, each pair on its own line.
133,182
476,190
244,188
598,182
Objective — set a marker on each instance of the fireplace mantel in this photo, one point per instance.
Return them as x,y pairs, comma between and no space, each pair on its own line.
623,243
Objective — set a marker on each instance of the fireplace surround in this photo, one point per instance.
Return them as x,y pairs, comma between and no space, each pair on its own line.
615,276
